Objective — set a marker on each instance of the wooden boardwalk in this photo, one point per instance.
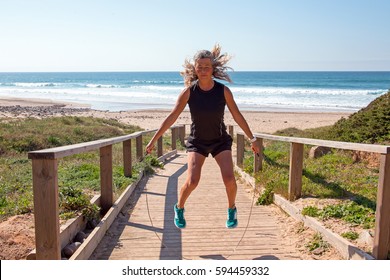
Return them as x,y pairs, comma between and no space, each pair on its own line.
145,230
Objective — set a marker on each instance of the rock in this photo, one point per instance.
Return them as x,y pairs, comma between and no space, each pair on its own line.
318,251
365,237
80,237
69,249
372,159
92,224
41,111
319,151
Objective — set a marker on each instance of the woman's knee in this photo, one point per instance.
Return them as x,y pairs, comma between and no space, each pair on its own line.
192,182
228,178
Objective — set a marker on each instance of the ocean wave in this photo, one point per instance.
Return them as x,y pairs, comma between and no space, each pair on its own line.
160,82
304,91
101,86
30,85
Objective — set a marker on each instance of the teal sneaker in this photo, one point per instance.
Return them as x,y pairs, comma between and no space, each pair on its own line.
231,221
179,220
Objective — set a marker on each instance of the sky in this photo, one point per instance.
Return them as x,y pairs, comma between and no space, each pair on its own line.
153,35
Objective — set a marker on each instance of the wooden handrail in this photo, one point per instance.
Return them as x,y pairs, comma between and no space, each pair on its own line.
381,149
64,151
381,246
45,183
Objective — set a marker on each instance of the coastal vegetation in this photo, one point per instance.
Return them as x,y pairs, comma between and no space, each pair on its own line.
79,177
369,125
338,176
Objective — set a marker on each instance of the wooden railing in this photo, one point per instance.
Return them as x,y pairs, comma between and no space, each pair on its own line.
381,245
45,182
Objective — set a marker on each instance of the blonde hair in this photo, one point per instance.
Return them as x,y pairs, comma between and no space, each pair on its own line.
218,61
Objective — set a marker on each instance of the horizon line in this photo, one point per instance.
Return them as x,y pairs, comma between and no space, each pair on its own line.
171,71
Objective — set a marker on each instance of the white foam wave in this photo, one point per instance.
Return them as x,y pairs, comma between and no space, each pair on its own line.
101,86
30,85
303,91
246,97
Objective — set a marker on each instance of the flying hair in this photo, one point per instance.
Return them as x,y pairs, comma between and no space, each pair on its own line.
218,60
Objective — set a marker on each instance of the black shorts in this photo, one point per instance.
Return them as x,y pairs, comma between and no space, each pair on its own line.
206,147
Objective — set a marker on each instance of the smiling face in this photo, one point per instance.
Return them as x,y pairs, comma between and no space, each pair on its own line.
204,69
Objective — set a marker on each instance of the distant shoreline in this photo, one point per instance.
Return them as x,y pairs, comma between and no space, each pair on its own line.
259,121
31,102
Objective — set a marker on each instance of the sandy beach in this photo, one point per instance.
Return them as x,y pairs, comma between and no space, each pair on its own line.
260,122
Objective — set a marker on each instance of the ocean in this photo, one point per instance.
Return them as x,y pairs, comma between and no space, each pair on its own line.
255,91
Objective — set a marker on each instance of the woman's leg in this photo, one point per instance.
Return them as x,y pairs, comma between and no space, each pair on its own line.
195,163
225,162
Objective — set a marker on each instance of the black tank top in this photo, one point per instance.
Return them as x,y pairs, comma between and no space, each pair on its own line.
207,110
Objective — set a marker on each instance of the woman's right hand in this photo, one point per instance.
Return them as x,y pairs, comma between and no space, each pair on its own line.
149,148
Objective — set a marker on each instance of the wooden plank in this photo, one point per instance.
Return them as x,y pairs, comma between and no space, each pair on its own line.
182,134
167,156
160,147
127,161
296,167
381,244
173,137
258,160
138,147
240,149
231,130
63,151
47,229
106,179
69,150
382,149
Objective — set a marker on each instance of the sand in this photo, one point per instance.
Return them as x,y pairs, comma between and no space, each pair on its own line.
260,122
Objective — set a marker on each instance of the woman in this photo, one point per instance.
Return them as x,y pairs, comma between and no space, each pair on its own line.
207,99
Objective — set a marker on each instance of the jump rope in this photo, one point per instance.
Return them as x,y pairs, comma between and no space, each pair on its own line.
173,250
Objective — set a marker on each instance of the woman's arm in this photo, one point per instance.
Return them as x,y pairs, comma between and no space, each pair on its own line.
170,119
239,118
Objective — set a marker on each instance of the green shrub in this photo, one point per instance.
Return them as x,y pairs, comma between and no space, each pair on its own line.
350,235
317,242
267,197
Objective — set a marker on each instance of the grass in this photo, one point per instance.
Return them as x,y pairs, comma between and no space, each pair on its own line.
78,175
317,242
351,212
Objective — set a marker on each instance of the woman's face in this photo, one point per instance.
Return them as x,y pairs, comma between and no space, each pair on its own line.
204,68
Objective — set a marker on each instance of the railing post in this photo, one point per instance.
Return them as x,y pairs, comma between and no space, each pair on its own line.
182,134
173,137
382,217
296,167
45,189
240,149
160,147
106,199
127,162
231,130
138,143
258,158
